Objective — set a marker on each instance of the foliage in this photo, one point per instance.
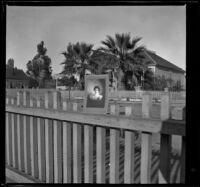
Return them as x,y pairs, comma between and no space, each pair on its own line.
68,81
131,64
39,67
160,82
102,62
77,61
33,83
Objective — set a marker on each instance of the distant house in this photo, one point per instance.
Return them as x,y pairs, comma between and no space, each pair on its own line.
15,78
162,67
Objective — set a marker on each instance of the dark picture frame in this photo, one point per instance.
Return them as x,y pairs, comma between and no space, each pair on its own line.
96,94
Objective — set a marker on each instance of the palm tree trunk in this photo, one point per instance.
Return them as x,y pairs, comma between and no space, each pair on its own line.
120,85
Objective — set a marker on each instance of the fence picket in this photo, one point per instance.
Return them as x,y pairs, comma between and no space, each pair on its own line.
114,151
14,141
182,177
146,143
77,173
19,141
67,149
129,152
33,143
57,140
114,156
20,133
100,154
48,143
146,153
8,140
88,154
77,153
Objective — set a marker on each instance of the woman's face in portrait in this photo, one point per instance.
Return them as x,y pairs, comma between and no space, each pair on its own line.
96,90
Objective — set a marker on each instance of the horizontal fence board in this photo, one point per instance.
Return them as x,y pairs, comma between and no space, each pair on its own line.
129,123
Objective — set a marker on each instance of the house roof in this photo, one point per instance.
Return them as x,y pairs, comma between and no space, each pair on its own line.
161,62
14,73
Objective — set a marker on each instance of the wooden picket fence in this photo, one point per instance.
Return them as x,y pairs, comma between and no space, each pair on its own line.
113,95
51,141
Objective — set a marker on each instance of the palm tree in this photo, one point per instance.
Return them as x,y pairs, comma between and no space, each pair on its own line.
77,60
129,55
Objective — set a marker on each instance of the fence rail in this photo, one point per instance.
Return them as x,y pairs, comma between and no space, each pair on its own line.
39,93
54,143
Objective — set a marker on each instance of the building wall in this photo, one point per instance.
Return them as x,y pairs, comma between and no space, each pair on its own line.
170,74
16,83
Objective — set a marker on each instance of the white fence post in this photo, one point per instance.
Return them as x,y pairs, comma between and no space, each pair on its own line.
57,140
146,143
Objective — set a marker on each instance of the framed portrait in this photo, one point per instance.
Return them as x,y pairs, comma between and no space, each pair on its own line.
96,94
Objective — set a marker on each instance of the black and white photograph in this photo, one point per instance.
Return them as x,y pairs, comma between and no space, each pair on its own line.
95,94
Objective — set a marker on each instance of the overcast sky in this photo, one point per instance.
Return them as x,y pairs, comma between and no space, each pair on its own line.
162,28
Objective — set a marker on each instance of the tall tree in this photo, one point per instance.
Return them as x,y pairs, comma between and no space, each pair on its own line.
77,61
39,68
131,66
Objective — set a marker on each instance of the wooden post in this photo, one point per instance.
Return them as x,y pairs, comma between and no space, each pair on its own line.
100,154
182,180
114,151
26,127
7,100
41,146
146,154
67,150
88,154
19,98
12,101
64,103
33,142
129,152
146,143
146,105
14,140
57,140
165,143
8,140
26,98
48,143
165,107
19,131
76,150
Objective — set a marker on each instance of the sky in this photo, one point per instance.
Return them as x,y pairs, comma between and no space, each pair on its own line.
162,28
